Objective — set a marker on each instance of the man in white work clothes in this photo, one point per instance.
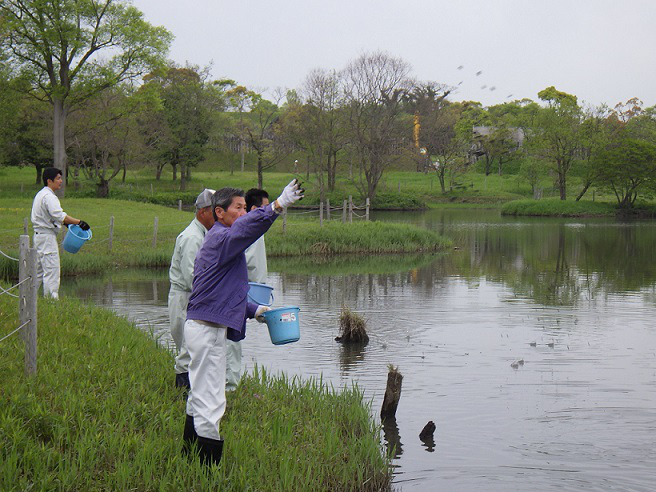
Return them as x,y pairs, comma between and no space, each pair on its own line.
47,219
181,275
256,263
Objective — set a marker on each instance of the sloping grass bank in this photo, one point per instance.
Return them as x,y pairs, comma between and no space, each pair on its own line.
132,241
553,207
102,414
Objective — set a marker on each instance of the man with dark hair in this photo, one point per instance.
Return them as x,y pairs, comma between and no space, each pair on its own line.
257,272
47,218
218,309
181,275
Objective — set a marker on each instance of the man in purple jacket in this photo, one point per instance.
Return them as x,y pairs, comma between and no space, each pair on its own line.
218,309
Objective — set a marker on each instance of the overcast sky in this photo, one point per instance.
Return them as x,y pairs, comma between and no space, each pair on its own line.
603,51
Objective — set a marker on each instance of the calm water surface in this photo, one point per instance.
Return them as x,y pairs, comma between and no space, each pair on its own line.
574,299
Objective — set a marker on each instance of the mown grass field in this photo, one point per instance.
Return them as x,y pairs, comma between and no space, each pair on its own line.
102,413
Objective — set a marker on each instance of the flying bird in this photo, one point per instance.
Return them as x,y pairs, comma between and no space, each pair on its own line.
493,88
461,67
479,72
483,87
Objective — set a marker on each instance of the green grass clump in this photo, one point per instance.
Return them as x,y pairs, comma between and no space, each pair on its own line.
554,207
102,413
303,238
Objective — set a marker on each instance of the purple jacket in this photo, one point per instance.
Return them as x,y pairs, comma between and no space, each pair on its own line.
220,287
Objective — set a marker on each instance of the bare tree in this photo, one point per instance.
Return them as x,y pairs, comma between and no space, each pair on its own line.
374,87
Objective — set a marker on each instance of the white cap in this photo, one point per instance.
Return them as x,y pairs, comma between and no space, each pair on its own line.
204,199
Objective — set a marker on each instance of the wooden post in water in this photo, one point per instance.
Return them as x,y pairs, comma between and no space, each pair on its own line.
392,393
111,232
366,212
344,213
350,209
155,232
327,209
320,214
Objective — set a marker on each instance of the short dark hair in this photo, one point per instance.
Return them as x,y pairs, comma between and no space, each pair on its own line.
50,173
223,198
255,196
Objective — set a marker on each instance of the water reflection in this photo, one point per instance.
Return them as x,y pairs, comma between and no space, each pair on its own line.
575,300
392,437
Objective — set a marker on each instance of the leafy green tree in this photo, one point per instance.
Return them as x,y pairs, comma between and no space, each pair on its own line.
183,119
556,134
628,162
58,46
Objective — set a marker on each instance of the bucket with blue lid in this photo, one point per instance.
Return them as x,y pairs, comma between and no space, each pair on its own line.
283,324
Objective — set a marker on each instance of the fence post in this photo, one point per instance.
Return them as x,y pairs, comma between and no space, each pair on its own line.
151,189
399,189
111,232
320,214
26,229
179,204
21,187
344,213
350,209
155,232
327,209
30,335
284,221
24,246
366,212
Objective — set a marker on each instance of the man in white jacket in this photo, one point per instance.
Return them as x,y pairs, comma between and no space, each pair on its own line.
47,218
181,275
256,263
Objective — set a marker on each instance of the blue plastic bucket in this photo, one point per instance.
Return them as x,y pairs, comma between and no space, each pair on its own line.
260,293
283,325
75,238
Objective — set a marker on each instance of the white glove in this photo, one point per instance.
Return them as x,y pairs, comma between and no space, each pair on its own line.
291,194
259,312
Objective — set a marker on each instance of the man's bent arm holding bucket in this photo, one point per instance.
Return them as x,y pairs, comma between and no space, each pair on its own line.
218,309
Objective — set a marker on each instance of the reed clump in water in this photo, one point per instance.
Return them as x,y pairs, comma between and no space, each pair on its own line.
353,327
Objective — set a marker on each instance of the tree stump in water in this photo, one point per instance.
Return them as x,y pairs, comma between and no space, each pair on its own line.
392,393
428,431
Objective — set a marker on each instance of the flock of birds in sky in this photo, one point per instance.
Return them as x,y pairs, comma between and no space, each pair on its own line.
491,88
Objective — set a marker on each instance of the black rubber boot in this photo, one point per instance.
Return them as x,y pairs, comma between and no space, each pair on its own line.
182,380
189,438
210,450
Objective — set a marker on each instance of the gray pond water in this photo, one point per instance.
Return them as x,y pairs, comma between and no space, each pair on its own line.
574,299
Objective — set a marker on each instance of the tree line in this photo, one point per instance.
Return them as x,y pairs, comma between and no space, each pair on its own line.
85,86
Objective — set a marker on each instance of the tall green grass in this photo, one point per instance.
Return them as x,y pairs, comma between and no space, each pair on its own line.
102,413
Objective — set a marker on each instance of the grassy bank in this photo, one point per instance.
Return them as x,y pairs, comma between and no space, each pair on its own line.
102,414
553,207
132,243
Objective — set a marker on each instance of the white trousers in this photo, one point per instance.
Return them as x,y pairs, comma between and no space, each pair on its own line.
178,300
48,270
206,343
233,368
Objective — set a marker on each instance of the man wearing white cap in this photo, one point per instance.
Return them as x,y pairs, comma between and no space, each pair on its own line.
47,218
181,275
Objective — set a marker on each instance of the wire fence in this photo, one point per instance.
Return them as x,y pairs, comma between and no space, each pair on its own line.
27,302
